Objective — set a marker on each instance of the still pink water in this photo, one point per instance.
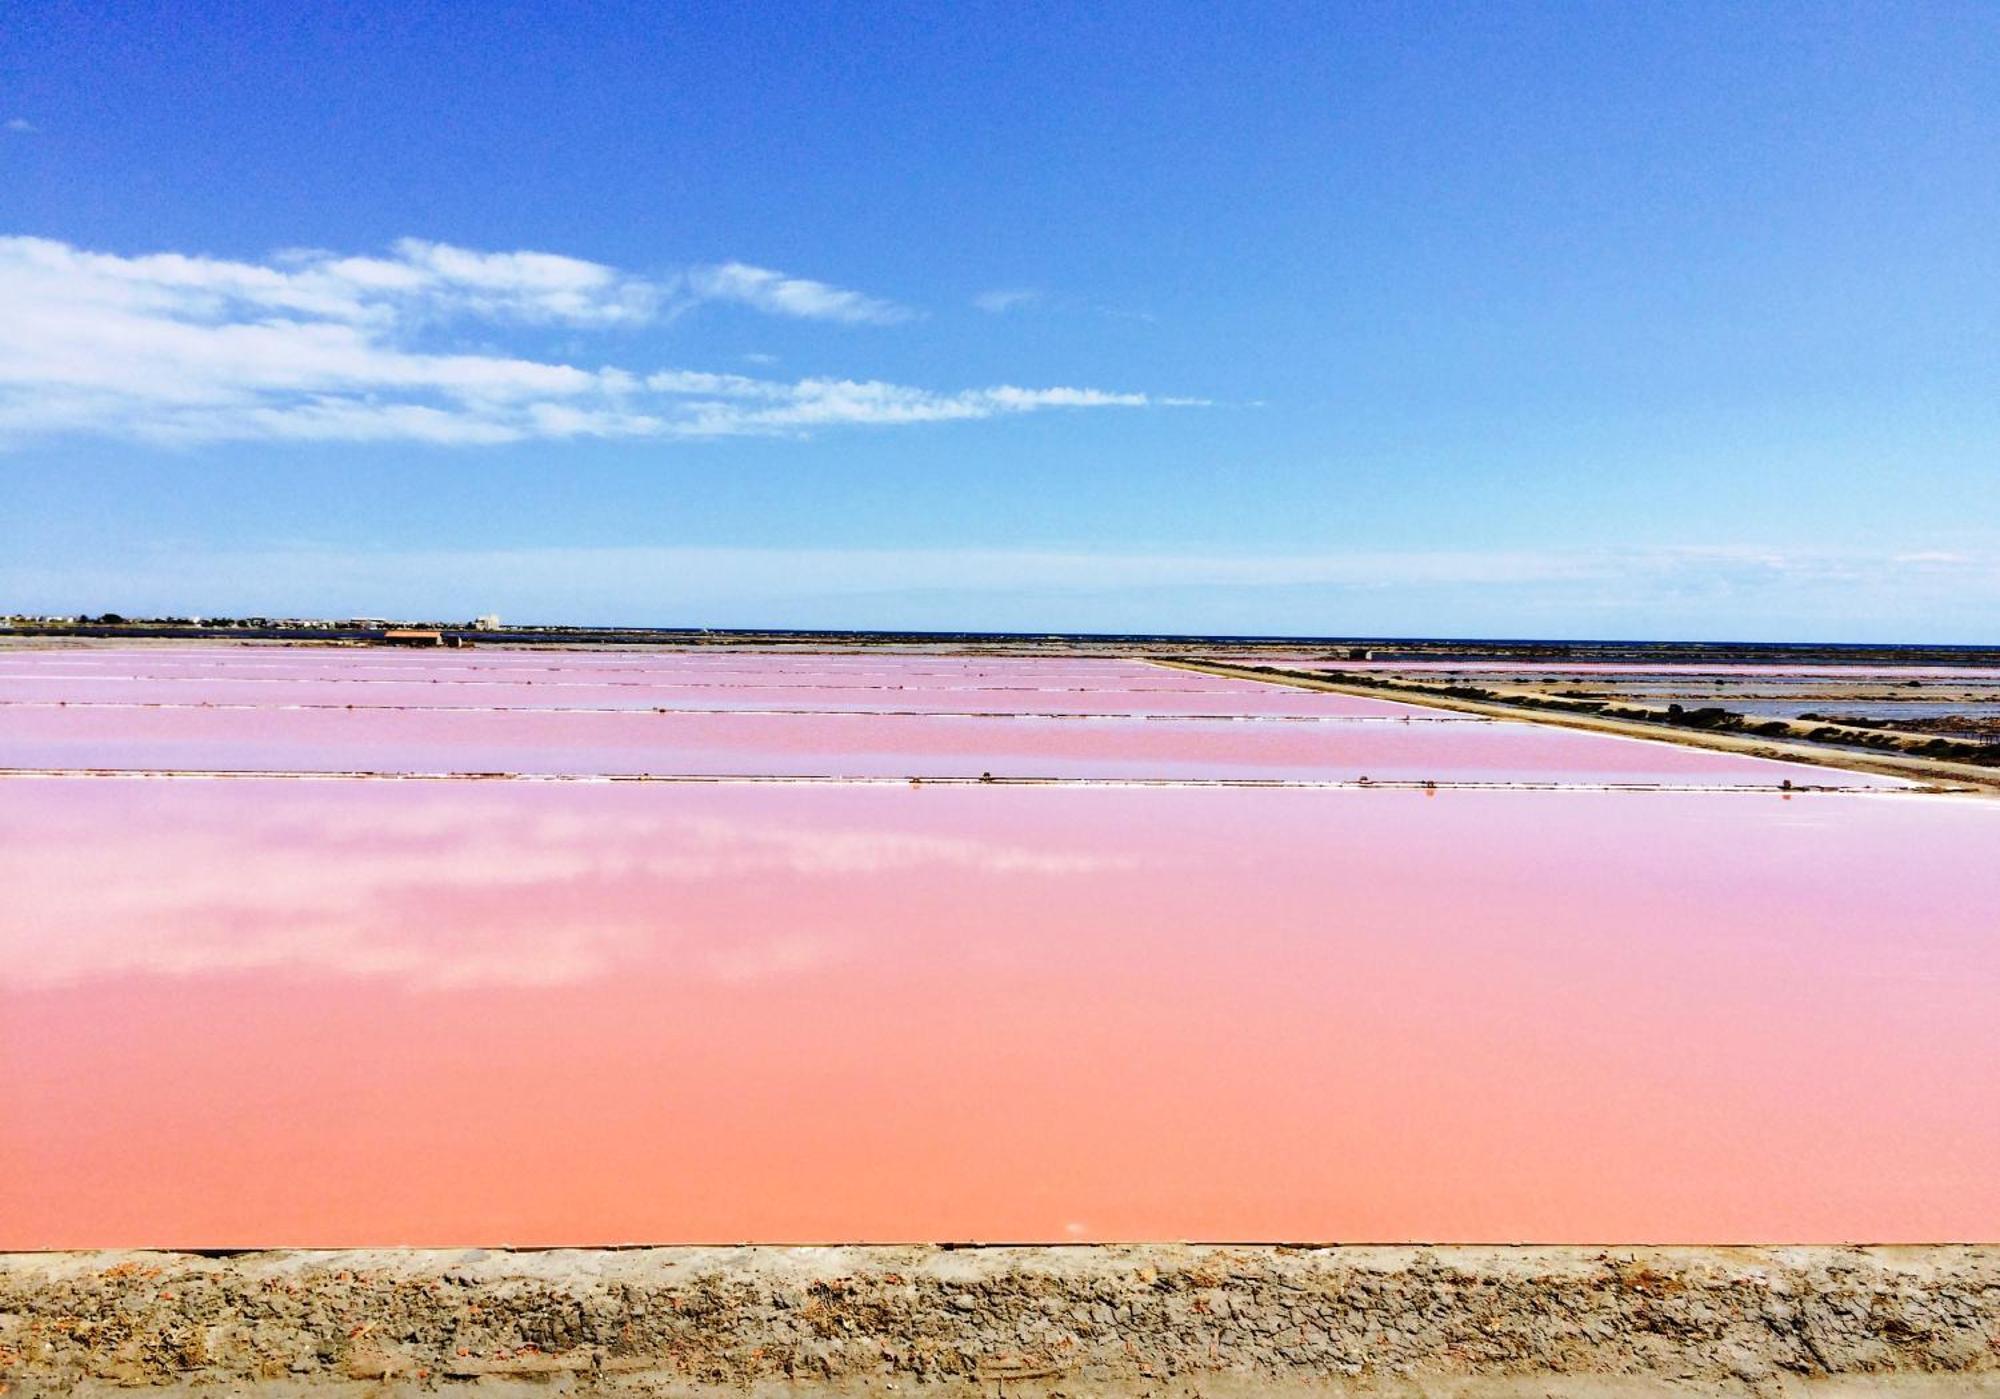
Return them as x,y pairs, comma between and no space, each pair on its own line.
260,1011
784,715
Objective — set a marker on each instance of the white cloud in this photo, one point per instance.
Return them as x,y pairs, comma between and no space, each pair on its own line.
21,124
315,345
1004,299
735,403
791,296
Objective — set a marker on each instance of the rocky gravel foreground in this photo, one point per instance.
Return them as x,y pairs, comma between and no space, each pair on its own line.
1167,1320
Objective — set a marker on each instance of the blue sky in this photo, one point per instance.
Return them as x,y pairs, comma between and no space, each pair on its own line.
1528,319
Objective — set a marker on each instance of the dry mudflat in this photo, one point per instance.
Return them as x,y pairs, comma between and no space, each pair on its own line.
1167,1320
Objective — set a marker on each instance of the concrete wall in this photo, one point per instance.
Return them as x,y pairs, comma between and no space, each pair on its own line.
1155,1320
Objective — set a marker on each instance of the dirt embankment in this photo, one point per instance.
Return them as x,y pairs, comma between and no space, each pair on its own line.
1941,762
1162,1320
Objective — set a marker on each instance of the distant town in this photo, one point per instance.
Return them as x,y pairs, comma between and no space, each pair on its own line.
114,619
376,629
488,629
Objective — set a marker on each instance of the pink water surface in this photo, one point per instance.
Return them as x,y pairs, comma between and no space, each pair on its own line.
610,713
854,745
375,678
646,694
889,670
268,1012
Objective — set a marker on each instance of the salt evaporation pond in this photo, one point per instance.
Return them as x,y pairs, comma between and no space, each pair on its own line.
259,1011
543,714
646,682
390,741
915,695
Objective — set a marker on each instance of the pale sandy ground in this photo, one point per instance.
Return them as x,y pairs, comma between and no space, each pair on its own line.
1165,1320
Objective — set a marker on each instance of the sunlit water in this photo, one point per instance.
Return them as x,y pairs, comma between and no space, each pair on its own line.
279,1010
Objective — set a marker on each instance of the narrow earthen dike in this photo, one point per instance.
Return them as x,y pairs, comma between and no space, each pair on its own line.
1142,1320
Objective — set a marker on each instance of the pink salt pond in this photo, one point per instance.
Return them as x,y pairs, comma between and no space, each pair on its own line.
269,1011
541,714
242,677
912,696
524,742
264,1012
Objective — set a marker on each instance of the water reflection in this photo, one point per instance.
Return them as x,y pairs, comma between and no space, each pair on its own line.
439,886
270,1012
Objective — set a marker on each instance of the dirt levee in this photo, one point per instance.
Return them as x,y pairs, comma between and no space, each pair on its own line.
1149,1319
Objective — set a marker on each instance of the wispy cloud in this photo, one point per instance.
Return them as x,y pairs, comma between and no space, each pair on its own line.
1002,300
737,403
313,345
791,296
21,124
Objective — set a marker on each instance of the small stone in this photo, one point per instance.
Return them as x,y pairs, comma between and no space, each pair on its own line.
1746,1365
